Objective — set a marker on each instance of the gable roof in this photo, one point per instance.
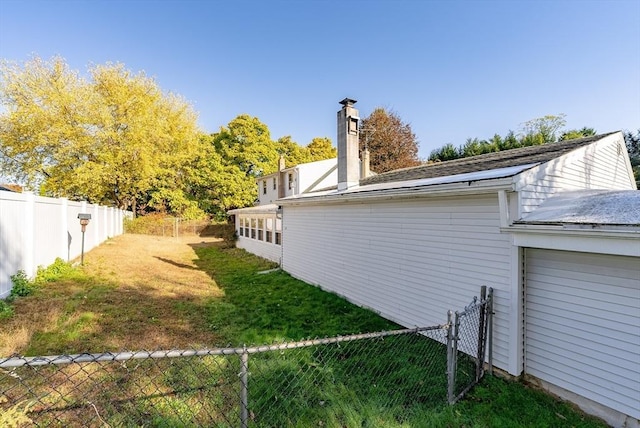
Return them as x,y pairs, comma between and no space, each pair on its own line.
488,161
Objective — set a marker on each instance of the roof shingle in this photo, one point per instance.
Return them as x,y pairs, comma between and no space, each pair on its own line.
488,161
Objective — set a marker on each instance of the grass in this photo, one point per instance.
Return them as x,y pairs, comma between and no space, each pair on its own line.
140,292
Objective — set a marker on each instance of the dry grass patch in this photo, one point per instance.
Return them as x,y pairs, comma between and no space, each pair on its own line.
134,292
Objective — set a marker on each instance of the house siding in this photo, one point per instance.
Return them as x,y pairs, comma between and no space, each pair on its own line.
263,249
317,175
603,165
583,325
410,260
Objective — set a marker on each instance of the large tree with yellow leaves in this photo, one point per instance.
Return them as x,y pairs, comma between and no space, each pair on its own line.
112,138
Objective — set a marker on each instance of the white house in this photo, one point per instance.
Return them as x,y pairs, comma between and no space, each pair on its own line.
554,229
259,228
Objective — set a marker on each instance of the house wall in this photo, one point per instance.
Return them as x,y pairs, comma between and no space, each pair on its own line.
410,260
583,326
272,194
35,230
603,165
260,234
317,175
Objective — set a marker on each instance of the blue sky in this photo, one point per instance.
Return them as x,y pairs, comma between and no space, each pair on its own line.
452,69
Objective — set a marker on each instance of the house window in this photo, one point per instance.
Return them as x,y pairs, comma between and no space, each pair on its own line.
278,232
269,230
264,187
274,183
290,181
253,228
260,228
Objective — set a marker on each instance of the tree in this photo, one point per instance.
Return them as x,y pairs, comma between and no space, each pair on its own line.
633,147
475,147
245,152
114,139
292,152
572,134
445,153
542,130
246,142
320,148
391,142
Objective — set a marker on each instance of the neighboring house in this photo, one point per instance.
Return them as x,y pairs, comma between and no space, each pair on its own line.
554,229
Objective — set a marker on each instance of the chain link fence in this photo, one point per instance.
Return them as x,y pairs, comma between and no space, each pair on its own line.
374,379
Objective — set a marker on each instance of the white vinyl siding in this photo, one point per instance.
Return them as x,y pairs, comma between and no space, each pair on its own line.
582,329
263,249
599,166
410,260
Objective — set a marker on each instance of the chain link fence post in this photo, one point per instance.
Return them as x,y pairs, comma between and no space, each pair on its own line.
490,330
244,388
451,371
481,333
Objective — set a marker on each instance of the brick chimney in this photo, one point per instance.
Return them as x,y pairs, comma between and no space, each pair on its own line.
348,162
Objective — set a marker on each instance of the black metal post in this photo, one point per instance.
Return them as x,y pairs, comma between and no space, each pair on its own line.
82,253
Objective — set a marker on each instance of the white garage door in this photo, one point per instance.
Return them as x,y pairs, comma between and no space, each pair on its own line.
582,325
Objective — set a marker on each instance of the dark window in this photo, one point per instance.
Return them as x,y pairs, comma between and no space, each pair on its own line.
274,183
269,236
290,181
278,238
264,187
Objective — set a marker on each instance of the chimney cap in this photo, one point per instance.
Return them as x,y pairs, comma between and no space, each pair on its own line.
348,102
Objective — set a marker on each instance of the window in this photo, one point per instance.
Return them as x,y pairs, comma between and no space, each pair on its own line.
274,183
260,228
290,181
253,228
278,231
264,187
268,230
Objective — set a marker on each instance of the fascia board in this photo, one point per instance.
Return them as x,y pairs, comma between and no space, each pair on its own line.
453,189
607,241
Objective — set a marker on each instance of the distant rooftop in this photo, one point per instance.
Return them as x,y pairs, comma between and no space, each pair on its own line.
488,161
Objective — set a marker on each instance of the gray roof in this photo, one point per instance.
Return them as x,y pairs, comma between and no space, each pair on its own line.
488,161
588,207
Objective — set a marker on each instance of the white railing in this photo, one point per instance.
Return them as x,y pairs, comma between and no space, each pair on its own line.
35,230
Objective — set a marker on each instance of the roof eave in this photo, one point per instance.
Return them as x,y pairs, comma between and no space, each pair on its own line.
434,190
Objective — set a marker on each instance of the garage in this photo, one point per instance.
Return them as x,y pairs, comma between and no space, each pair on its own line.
582,324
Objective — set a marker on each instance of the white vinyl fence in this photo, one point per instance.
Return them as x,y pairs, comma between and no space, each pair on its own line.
34,230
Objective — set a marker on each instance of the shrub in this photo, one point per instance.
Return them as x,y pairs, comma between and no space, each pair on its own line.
22,286
6,311
58,269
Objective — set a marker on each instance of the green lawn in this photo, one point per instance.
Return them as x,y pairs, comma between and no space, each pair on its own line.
395,382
